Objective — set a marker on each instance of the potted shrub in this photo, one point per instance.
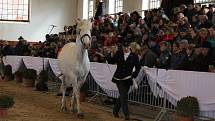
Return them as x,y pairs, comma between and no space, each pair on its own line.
83,92
18,76
42,81
6,102
8,73
187,108
29,77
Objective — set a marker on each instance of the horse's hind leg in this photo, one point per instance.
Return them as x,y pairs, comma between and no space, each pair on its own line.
63,105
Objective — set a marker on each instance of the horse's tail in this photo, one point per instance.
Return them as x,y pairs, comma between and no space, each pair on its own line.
59,75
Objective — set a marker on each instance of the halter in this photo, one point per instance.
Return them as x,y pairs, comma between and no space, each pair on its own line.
83,36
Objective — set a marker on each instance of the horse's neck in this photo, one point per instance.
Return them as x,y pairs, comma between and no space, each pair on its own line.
78,40
83,53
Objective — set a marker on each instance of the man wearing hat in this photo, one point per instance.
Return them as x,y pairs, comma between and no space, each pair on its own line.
126,60
19,49
20,38
210,12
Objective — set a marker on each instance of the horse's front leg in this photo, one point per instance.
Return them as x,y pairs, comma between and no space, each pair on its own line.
73,103
63,105
77,95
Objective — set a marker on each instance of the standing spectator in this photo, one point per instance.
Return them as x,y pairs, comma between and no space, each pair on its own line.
19,46
210,12
198,9
190,12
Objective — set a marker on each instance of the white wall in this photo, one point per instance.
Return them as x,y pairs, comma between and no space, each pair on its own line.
82,9
43,14
132,5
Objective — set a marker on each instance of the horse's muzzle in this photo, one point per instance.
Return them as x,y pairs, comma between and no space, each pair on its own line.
87,46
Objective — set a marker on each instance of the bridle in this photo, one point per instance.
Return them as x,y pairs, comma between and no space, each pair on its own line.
83,36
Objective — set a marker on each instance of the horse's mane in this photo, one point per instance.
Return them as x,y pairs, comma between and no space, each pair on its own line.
84,24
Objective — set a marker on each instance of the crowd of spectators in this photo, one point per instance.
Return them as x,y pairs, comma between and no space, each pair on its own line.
183,41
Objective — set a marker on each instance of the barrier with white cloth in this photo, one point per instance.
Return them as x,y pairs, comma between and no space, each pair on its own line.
35,63
175,83
14,61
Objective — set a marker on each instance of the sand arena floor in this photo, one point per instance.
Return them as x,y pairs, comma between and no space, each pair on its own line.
32,105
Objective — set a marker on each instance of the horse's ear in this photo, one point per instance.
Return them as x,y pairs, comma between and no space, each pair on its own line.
89,20
90,23
78,21
79,24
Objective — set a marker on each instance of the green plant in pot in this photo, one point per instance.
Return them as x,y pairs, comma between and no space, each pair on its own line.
187,108
6,102
18,75
8,73
83,91
42,81
29,77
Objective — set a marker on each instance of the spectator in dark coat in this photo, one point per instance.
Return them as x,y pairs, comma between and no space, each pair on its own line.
165,55
192,57
205,58
19,46
8,50
210,12
190,12
179,58
148,58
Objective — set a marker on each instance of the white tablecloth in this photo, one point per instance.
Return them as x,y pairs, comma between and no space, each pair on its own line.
36,63
14,61
175,83
180,84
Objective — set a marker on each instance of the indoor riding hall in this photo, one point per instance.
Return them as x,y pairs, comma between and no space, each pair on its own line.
107,60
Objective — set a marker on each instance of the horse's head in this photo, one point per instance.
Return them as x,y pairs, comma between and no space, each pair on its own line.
84,28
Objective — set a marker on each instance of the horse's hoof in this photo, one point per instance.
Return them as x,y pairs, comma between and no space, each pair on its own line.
80,115
74,110
64,108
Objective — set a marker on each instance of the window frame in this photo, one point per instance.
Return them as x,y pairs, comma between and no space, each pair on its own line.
117,7
203,1
17,21
90,9
154,4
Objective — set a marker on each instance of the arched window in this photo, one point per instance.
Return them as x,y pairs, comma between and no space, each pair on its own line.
91,9
15,10
118,6
154,4
204,1
150,4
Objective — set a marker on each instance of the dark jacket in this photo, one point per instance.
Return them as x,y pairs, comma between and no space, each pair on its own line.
164,59
179,61
8,50
125,68
201,63
149,59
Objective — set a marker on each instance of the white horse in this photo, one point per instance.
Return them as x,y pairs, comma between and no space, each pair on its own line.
75,65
